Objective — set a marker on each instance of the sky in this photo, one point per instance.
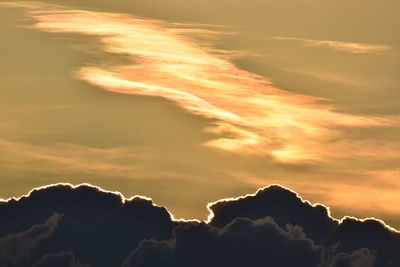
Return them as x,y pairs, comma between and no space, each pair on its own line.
188,102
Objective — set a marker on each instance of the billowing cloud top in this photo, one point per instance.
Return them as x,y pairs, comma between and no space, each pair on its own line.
63,225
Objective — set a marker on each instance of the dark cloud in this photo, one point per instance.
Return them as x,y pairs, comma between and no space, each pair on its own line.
285,206
16,249
370,233
243,242
359,258
63,259
100,228
62,225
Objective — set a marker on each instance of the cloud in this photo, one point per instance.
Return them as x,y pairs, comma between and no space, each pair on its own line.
348,234
63,259
101,228
251,115
314,219
16,248
90,142
354,48
359,258
243,242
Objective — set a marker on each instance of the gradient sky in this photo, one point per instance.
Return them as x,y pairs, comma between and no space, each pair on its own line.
188,102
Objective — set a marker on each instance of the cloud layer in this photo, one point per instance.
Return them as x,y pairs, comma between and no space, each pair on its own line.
64,225
252,115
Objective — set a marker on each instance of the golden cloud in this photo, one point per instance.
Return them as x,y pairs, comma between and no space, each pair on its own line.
252,115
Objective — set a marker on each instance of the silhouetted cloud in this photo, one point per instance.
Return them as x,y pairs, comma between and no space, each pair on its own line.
100,228
16,249
63,259
243,242
287,208
63,225
359,258
279,203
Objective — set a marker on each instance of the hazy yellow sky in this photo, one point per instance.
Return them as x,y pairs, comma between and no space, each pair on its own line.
190,101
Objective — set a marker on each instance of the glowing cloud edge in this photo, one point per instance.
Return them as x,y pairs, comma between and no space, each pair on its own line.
211,213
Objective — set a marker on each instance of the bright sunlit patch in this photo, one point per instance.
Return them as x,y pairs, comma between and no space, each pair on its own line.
253,116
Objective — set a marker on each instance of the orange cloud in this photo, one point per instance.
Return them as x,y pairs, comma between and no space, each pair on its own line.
355,48
253,116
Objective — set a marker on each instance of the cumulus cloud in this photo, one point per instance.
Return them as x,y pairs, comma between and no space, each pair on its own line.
279,203
101,228
16,249
243,242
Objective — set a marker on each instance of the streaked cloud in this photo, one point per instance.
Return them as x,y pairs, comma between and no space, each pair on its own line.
252,115
355,48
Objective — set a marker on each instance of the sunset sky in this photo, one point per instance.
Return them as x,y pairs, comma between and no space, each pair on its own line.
188,102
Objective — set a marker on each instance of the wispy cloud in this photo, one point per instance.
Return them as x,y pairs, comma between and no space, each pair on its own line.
355,48
253,115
